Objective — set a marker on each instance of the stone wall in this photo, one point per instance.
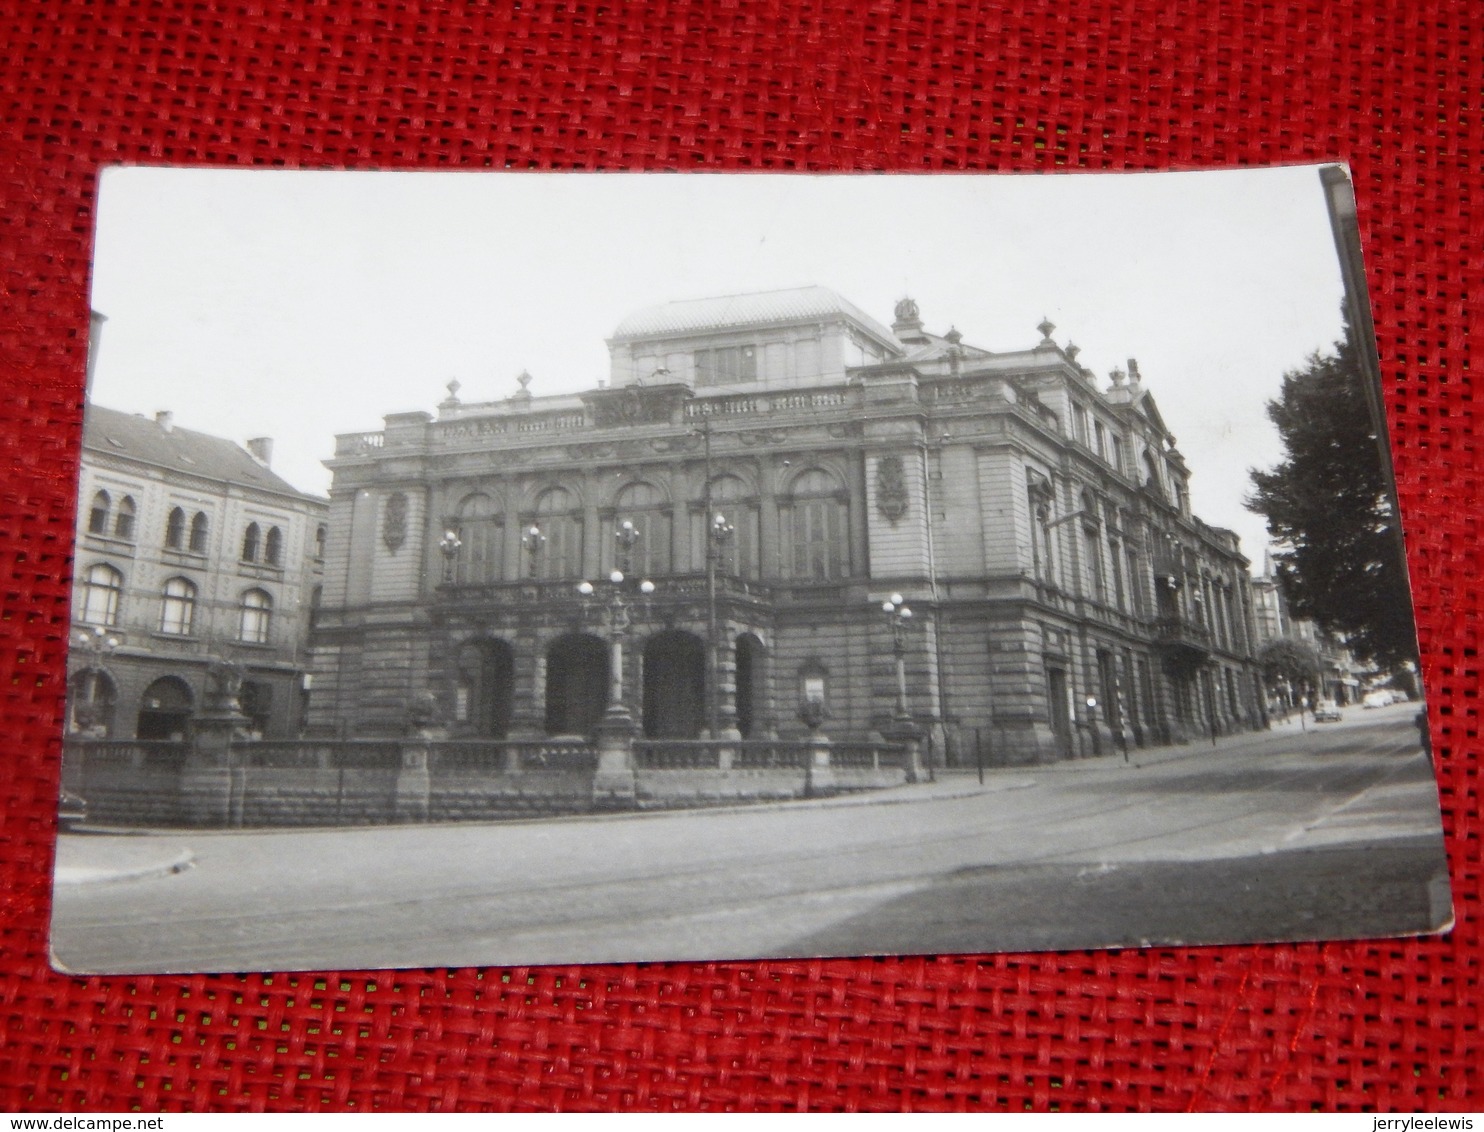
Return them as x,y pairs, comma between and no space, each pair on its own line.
329,783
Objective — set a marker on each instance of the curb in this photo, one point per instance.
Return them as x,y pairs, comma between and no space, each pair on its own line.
76,875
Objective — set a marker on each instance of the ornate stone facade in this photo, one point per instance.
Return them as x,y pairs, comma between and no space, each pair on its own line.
1037,523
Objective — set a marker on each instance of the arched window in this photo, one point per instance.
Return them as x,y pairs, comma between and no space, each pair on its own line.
560,556
178,610
645,506
101,587
98,514
123,522
319,541
92,697
256,617
273,547
250,539
821,548
481,534
731,499
1152,478
175,529
198,533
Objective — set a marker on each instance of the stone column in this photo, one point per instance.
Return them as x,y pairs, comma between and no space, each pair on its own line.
413,781
527,718
211,784
910,736
613,781
726,682
820,777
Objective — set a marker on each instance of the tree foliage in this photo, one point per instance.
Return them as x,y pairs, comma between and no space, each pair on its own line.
1329,510
1289,660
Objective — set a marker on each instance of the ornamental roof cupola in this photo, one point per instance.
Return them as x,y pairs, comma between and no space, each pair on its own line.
907,322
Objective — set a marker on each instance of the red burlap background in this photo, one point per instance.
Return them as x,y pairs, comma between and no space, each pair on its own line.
1395,88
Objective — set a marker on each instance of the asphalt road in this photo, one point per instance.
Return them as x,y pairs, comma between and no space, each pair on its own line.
1328,833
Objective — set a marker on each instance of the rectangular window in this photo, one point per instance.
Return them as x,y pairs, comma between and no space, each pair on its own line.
1136,584
727,365
1094,552
1079,423
818,540
178,612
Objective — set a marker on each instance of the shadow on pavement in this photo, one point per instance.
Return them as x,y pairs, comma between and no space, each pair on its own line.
1385,889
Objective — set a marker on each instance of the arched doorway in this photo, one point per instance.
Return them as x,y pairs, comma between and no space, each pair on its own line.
165,710
751,698
91,698
674,685
484,688
576,684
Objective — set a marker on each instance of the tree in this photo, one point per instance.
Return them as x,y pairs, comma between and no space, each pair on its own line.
1291,662
1330,510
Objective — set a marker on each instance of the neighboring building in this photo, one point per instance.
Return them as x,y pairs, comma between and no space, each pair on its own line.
1037,524
1340,673
189,550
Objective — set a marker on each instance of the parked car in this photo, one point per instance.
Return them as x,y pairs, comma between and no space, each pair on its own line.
1327,713
72,811
1379,698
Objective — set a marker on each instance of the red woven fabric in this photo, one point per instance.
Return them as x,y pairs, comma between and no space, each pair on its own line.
1394,88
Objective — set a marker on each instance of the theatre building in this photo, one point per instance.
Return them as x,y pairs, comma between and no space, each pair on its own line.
191,552
779,466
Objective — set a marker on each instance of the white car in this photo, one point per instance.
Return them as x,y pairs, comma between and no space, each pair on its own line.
1378,698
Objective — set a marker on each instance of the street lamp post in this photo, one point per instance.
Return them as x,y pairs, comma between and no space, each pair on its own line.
899,615
1092,725
902,729
98,644
717,536
449,546
616,621
534,541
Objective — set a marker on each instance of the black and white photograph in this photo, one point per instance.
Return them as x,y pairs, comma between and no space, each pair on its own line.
524,568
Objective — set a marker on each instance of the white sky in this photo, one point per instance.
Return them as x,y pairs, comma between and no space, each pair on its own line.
298,305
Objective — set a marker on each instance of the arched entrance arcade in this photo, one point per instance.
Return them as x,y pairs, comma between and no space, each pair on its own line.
674,685
91,698
576,684
165,710
484,688
752,701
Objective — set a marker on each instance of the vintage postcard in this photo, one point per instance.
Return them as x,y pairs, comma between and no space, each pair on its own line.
506,569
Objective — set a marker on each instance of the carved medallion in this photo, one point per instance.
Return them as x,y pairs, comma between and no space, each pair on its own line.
394,523
891,488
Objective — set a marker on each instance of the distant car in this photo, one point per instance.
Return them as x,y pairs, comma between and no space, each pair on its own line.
72,811
1378,698
1327,713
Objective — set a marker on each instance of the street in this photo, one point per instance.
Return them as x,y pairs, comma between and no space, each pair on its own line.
1326,833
